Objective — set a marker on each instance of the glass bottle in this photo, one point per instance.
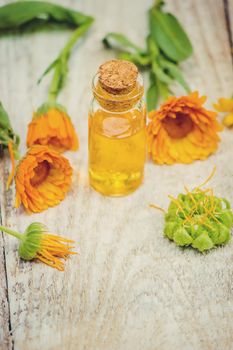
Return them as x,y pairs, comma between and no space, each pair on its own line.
117,135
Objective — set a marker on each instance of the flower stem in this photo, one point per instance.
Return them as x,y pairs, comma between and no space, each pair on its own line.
11,232
60,69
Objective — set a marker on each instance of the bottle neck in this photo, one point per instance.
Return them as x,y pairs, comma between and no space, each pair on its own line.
117,102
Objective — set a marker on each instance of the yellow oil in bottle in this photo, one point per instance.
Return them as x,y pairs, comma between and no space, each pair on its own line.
117,141
116,152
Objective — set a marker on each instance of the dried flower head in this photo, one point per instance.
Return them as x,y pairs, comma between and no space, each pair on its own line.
52,126
43,178
182,130
38,243
226,105
199,219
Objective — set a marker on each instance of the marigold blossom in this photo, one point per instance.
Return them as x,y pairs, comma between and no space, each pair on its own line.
182,130
226,105
52,126
43,178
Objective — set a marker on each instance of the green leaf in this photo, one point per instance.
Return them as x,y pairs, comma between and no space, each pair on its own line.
18,15
160,74
47,70
6,132
139,60
60,64
152,95
163,90
152,47
169,35
175,73
4,119
122,43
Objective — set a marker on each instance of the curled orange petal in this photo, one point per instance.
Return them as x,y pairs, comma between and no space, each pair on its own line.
43,178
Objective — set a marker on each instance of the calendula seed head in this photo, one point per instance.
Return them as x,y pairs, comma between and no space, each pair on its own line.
199,219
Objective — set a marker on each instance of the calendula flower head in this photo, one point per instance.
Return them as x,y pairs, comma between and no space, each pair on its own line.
38,243
198,219
52,126
182,130
226,105
42,179
8,140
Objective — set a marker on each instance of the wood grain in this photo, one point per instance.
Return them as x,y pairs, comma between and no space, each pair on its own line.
229,15
129,288
5,336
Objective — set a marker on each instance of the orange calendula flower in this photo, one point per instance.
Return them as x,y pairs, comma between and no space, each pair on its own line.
52,126
37,243
182,130
42,179
225,105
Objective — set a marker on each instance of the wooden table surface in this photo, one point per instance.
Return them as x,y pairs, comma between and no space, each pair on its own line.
129,288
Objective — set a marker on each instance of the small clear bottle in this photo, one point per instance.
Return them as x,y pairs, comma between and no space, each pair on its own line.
117,135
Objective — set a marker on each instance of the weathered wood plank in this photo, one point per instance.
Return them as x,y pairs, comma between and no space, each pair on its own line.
129,288
5,323
5,337
229,9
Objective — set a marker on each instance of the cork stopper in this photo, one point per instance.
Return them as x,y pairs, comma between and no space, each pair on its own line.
118,76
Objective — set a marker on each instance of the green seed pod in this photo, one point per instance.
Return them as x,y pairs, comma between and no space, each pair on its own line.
181,237
170,228
203,242
226,217
172,208
226,203
224,234
214,234
199,219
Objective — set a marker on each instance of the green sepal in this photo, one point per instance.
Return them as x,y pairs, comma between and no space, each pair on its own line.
31,241
45,107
